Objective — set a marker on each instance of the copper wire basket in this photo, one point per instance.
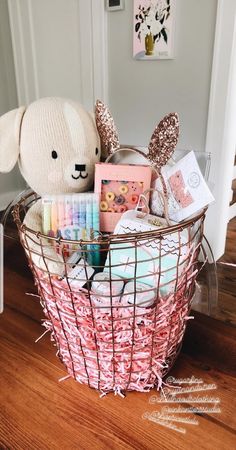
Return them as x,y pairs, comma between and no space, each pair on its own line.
112,344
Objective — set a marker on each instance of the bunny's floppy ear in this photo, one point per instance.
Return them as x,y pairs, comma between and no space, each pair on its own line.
164,140
106,129
10,124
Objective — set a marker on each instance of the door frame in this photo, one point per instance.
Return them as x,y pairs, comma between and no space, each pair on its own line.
221,126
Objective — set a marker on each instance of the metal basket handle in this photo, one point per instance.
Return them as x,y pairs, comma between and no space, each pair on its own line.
156,169
143,198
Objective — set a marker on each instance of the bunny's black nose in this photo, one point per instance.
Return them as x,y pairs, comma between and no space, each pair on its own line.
80,167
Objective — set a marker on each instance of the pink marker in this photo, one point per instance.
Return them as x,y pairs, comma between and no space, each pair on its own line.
54,217
61,213
68,211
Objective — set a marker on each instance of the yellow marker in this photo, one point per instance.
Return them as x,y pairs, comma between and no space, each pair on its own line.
54,221
46,216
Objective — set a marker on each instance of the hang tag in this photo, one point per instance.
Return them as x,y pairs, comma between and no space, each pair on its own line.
135,221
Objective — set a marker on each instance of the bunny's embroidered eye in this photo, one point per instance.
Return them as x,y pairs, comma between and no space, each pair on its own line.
96,151
54,154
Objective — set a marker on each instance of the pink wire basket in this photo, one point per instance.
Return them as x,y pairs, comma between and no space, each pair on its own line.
116,345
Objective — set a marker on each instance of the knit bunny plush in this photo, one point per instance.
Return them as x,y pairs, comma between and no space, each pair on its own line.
56,144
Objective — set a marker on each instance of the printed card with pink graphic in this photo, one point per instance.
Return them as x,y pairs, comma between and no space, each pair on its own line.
187,190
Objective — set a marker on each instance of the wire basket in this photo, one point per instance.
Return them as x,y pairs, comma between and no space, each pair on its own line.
117,341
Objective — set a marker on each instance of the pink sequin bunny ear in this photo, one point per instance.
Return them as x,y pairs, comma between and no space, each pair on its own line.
164,140
106,129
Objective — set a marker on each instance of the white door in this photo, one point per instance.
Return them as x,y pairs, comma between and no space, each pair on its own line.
10,184
59,49
221,130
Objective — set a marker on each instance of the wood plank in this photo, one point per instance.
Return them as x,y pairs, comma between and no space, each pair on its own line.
210,374
230,247
214,340
226,308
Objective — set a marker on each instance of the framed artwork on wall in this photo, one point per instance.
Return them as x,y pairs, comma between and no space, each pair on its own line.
153,32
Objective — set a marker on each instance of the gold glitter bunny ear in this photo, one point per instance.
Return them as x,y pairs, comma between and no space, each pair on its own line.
106,129
164,140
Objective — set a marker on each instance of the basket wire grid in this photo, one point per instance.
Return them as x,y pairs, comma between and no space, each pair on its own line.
104,340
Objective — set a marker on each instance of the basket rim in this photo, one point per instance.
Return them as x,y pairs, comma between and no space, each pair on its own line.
160,232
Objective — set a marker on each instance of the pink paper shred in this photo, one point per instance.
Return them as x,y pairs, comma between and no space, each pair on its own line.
127,348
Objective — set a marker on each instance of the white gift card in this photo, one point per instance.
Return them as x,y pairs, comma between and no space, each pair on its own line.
187,190
134,221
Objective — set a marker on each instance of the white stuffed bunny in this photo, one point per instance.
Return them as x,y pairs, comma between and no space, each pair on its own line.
56,144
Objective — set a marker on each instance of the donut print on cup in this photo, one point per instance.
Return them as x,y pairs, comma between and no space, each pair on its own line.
110,196
103,206
124,188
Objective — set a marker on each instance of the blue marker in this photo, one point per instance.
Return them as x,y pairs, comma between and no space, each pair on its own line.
96,226
82,216
89,216
75,210
89,226
95,207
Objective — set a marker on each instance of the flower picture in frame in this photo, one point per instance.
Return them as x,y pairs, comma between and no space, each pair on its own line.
153,29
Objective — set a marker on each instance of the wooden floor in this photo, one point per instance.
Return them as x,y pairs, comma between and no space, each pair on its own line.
38,412
226,270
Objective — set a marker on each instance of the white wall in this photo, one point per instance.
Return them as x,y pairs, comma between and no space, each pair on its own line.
141,92
11,183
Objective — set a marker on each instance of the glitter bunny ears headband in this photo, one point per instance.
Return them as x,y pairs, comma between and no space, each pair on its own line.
162,144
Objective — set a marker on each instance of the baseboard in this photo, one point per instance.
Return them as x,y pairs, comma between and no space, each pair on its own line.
7,197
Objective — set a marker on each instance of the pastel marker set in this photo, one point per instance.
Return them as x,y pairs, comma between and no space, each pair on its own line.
119,187
73,217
